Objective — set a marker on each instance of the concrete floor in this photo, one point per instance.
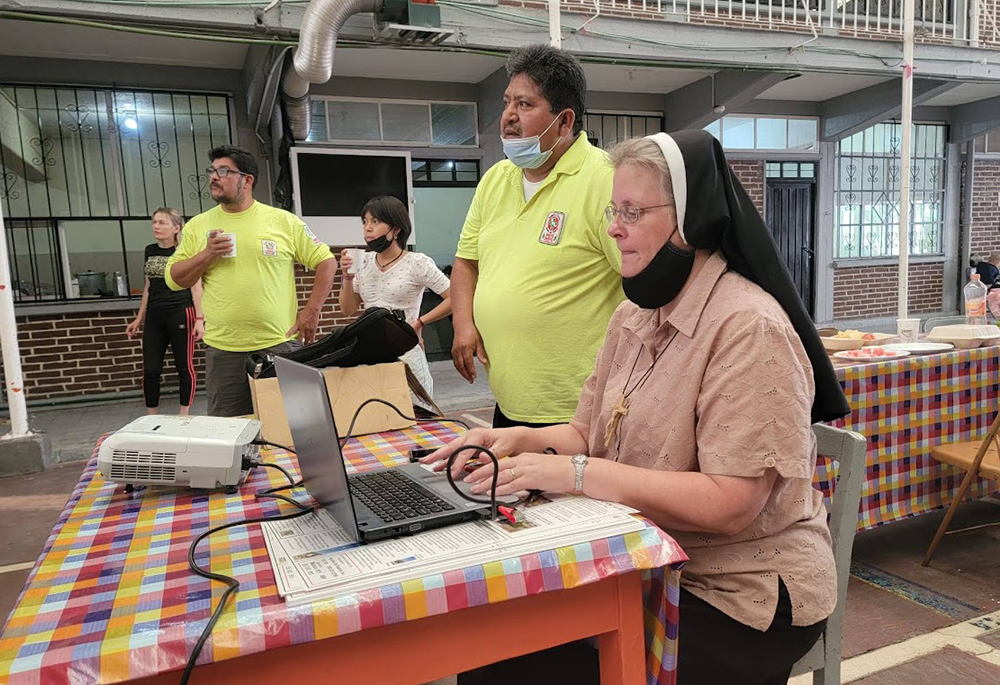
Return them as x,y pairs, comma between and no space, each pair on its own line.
905,624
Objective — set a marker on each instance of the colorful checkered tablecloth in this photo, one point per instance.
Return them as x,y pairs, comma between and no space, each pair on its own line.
906,407
111,598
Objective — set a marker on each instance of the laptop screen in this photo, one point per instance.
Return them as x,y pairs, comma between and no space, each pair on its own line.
310,418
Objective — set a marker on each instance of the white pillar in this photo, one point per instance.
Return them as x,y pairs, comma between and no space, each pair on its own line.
904,181
8,341
555,24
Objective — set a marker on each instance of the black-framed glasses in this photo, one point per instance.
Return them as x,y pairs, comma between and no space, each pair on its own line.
628,214
222,172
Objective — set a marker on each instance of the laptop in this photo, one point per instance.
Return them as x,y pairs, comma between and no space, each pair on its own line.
370,506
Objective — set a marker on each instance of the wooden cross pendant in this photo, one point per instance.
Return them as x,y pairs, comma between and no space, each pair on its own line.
618,412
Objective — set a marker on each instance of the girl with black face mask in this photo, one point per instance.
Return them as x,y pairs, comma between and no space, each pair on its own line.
388,275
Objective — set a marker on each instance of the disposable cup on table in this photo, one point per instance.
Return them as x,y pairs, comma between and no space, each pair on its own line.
907,330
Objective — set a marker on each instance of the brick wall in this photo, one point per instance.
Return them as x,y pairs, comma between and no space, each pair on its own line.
986,207
74,355
871,291
751,175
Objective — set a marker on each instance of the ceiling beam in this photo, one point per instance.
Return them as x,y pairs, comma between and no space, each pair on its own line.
974,119
700,103
845,115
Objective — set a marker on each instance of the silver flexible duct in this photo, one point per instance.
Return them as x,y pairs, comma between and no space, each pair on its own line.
313,59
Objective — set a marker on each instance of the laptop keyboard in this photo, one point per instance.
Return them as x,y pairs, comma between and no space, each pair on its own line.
394,497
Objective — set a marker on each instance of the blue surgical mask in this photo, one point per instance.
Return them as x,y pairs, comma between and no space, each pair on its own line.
526,153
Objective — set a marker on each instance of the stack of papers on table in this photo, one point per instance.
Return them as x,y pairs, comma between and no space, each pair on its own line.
315,559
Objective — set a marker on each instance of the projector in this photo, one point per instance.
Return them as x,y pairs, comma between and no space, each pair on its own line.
195,451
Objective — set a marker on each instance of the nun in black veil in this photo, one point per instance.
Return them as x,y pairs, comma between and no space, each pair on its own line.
698,414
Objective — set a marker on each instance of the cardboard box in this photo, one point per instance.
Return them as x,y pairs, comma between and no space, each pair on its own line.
348,389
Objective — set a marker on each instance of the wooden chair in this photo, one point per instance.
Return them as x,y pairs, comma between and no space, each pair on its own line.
849,450
976,458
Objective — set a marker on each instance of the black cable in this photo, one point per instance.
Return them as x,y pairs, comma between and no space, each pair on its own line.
275,466
268,443
272,495
357,412
232,583
280,488
492,501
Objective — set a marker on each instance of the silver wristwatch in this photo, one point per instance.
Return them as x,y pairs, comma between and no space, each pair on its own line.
579,462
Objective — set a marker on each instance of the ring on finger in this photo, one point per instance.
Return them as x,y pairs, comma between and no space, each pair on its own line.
512,474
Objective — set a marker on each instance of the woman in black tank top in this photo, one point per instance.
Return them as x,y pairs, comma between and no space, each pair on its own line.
167,317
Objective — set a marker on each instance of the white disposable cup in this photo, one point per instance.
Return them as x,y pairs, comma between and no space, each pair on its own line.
232,244
356,256
907,330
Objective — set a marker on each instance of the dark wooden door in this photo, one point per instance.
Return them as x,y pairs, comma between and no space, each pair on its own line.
790,211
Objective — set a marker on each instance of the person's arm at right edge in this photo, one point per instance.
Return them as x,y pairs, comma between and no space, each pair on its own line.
186,266
468,344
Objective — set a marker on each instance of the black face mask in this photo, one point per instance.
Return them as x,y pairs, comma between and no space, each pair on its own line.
380,244
662,279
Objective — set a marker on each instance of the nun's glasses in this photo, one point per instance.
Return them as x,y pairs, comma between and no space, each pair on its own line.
628,213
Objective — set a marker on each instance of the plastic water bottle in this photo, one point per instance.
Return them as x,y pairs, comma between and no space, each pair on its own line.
975,302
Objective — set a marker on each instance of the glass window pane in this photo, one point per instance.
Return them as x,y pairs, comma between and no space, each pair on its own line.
807,170
790,169
405,123
714,129
453,124
93,248
33,261
353,120
737,133
773,170
441,170
772,134
317,128
138,234
802,134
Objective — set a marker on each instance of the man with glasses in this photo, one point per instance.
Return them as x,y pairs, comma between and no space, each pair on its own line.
536,276
244,252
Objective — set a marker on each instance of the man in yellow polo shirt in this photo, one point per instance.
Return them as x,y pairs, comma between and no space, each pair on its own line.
244,252
536,276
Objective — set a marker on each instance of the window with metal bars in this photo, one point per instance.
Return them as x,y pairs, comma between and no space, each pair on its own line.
605,129
83,169
445,173
868,191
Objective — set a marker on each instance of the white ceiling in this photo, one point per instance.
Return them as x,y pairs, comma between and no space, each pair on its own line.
414,65
627,79
968,92
35,39
819,87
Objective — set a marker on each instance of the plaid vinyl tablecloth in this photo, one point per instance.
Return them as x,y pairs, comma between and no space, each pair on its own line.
906,407
111,597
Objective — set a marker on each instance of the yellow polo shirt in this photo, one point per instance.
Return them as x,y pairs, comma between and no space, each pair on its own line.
249,300
549,280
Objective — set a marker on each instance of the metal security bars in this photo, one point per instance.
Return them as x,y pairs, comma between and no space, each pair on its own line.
868,191
606,129
82,170
967,22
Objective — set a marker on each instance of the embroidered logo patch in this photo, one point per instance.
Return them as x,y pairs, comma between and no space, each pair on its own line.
552,229
312,236
269,248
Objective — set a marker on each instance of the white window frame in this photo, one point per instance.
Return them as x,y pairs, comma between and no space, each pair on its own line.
786,150
395,143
